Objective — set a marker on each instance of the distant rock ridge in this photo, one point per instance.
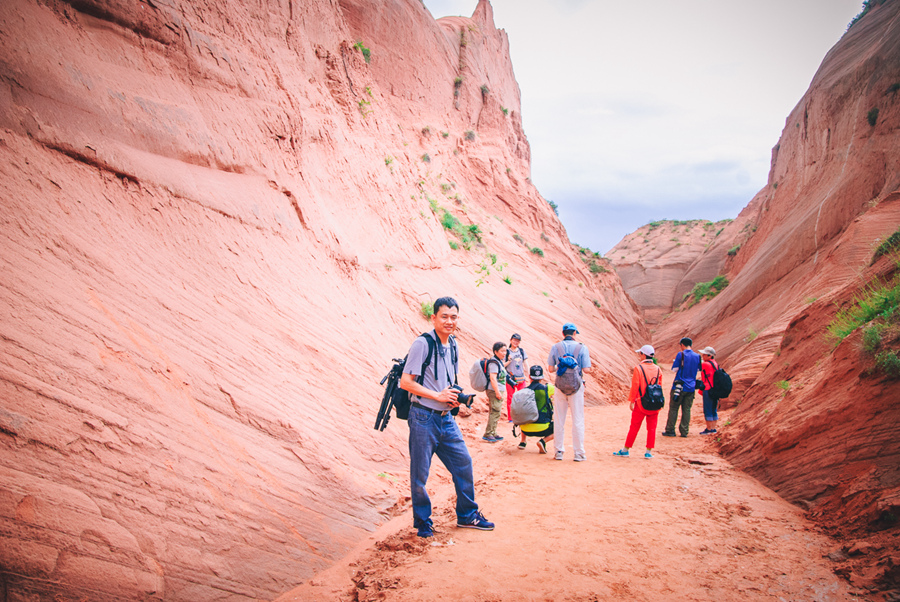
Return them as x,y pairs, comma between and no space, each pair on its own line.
220,223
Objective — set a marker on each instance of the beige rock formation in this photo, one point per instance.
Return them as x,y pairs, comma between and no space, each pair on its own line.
219,223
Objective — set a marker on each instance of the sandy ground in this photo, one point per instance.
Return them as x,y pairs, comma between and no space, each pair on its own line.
684,525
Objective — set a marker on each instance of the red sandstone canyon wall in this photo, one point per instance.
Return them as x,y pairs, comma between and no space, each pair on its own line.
814,419
219,222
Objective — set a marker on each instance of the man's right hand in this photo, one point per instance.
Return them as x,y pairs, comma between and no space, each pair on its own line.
448,396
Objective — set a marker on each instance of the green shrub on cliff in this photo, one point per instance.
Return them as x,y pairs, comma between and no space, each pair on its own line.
367,54
707,290
889,245
873,302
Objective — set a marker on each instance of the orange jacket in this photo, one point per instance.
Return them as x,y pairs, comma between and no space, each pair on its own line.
638,387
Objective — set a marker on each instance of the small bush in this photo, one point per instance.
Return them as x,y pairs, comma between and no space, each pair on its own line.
596,268
445,134
873,301
783,385
507,279
597,304
733,250
453,244
537,251
427,309
470,135
426,158
449,221
426,131
889,363
894,87
518,238
485,90
889,245
708,290
553,206
367,54
505,110
872,116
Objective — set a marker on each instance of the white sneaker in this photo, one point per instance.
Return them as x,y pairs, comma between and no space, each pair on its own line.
559,455
579,458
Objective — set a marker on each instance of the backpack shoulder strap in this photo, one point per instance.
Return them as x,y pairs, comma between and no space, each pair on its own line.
431,346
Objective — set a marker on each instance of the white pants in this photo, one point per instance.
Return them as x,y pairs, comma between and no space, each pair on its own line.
561,405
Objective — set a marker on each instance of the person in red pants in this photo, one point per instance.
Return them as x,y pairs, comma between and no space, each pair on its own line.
516,364
645,372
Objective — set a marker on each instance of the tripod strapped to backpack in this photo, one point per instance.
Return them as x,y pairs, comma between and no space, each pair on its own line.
387,402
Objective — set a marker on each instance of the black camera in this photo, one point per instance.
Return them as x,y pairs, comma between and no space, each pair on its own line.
463,398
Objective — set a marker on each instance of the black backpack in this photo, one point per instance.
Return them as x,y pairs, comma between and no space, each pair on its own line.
653,398
722,384
398,398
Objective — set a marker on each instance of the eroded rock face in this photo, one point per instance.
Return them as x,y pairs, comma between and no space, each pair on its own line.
813,417
219,223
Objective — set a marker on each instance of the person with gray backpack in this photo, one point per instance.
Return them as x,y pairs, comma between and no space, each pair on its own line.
569,360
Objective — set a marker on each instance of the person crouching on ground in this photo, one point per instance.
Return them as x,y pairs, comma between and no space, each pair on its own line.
495,391
644,373
516,365
543,426
710,403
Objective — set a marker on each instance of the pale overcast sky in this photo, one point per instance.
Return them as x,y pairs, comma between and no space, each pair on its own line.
658,109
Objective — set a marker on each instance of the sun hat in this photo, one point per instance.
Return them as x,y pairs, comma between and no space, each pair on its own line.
536,372
570,326
708,351
646,350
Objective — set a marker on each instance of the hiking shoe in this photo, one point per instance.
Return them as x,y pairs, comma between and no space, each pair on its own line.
498,438
476,522
425,531
648,455
668,434
684,435
558,456
542,446
706,432
578,458
522,445
621,452
489,439
713,431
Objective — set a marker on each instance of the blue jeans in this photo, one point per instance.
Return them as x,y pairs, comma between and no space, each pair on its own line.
430,434
710,407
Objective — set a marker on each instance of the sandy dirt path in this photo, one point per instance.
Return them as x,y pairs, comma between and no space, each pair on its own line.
684,525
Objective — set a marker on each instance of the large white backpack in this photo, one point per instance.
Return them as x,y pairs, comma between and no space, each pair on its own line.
478,377
523,409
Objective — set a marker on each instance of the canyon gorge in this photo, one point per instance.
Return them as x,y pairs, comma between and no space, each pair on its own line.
222,220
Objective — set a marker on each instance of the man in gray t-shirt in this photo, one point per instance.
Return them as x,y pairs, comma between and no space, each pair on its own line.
432,428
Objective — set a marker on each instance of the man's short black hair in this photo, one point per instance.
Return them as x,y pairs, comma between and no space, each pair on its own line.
498,346
448,302
686,341
569,332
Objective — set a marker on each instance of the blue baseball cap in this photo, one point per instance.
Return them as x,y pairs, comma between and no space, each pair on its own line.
570,326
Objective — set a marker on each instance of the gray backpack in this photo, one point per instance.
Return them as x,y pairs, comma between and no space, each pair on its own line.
523,409
568,372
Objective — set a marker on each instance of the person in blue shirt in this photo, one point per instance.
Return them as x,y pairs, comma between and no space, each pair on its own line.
686,366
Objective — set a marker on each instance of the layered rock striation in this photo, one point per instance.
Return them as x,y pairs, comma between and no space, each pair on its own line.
220,221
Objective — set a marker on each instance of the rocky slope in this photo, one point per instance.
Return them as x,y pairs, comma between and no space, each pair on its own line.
220,221
817,420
